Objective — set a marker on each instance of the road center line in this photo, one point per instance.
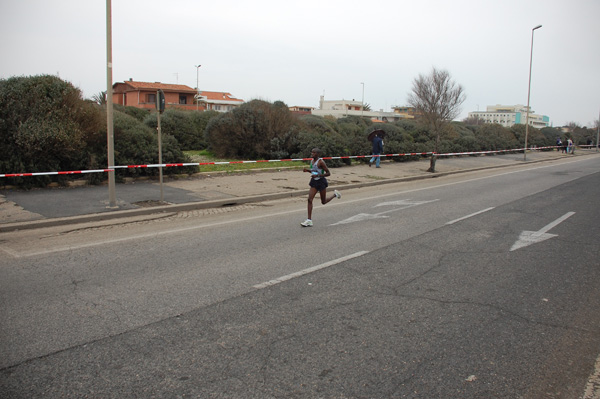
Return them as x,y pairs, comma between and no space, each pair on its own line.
471,215
309,270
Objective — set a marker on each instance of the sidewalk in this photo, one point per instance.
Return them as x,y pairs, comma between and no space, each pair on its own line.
55,206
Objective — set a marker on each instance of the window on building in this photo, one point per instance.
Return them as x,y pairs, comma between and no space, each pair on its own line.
151,98
182,99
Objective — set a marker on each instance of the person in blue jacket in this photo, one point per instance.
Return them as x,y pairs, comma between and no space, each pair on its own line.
377,150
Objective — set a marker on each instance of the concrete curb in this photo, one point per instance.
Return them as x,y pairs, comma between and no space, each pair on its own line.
117,214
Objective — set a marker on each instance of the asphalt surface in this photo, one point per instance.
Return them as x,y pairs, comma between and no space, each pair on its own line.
428,310
21,209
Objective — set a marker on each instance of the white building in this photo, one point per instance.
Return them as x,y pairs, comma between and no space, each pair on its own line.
218,101
508,115
343,108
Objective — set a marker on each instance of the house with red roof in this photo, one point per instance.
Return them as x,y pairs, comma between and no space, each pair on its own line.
219,101
143,95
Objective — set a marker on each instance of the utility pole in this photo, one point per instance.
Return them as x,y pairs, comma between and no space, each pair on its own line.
528,93
112,196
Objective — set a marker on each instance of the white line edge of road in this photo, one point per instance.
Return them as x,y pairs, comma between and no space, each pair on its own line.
592,389
309,270
471,215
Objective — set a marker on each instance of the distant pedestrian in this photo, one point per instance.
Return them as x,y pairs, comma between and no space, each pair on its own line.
570,147
377,150
558,143
318,183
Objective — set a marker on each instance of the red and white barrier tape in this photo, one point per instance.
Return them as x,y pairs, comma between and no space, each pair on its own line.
70,172
167,165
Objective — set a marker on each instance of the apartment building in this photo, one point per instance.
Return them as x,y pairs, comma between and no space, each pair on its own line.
509,115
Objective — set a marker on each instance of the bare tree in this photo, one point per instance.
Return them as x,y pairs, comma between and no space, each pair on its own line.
437,99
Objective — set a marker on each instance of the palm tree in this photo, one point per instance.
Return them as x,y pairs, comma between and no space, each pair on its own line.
99,98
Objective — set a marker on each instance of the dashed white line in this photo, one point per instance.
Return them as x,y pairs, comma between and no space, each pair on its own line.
471,215
309,270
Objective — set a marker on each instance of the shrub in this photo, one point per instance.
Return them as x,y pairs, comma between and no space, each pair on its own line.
44,126
186,126
138,113
136,143
255,130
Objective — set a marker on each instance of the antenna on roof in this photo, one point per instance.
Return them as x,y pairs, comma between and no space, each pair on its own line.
176,77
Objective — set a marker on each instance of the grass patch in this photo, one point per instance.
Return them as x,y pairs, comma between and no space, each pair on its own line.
206,156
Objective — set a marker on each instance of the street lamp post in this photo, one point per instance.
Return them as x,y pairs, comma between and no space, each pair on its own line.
598,133
112,196
528,95
362,107
197,87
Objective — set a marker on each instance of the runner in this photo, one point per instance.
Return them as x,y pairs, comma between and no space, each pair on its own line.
318,183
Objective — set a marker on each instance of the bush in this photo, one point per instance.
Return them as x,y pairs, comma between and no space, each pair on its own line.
255,130
186,126
138,113
136,143
44,126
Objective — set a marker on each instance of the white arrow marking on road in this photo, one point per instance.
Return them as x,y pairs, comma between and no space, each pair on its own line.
367,216
532,237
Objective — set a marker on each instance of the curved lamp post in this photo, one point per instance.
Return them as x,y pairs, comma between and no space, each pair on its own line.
528,93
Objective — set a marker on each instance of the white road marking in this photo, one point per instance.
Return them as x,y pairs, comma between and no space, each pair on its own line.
471,215
404,203
532,237
309,270
366,216
592,389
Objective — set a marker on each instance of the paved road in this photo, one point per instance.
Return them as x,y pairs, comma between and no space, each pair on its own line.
44,207
410,290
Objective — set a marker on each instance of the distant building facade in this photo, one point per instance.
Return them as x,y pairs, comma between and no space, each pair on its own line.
406,112
343,108
301,110
509,115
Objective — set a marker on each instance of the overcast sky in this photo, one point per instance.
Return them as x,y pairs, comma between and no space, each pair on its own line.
297,51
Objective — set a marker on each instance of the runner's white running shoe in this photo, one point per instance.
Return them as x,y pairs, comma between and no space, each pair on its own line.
306,223
337,194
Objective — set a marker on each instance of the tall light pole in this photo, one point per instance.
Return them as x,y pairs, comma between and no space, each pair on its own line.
197,87
112,196
362,107
528,93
